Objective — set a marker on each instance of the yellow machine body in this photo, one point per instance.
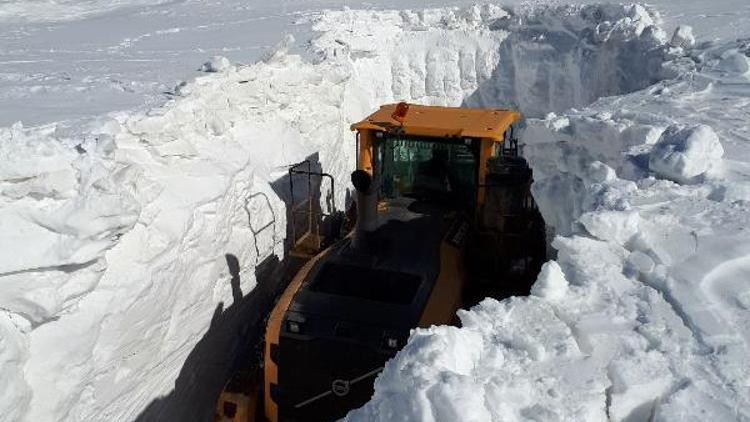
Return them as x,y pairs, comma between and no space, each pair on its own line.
484,130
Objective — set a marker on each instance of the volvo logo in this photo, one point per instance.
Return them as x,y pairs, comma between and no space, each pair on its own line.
340,387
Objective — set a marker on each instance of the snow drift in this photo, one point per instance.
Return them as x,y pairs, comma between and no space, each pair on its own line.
118,230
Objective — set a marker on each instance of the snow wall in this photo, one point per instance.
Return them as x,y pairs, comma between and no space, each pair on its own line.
116,296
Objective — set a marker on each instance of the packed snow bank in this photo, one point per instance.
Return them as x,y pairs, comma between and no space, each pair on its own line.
643,315
131,285
472,374
141,208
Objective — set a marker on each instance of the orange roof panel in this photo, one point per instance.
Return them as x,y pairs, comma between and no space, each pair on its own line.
443,122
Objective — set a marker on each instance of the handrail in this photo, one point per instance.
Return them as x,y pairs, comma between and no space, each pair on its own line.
294,169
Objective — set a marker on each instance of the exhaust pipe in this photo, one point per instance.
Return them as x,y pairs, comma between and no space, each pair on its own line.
367,208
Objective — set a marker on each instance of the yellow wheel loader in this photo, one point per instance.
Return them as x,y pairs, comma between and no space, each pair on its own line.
444,215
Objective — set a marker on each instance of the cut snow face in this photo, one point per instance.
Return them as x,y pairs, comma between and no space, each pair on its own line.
141,210
538,60
550,63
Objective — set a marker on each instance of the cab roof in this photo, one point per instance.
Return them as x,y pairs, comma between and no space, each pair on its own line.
443,122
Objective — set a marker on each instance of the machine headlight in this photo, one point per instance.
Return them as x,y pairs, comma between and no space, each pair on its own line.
295,327
391,341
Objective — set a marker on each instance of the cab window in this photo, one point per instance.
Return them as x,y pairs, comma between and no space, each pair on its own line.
424,169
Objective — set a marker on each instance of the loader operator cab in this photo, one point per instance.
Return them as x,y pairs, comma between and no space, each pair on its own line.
436,154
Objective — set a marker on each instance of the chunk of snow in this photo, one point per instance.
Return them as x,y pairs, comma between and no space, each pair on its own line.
737,191
216,64
683,37
183,89
684,153
743,300
599,172
280,49
618,226
640,262
654,35
638,382
691,404
733,61
13,348
551,283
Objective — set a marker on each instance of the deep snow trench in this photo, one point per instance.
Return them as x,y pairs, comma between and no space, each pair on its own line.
117,232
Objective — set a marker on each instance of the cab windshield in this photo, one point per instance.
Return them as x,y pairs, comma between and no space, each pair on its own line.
437,169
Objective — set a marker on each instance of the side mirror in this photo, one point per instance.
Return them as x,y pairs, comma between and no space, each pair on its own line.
361,180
